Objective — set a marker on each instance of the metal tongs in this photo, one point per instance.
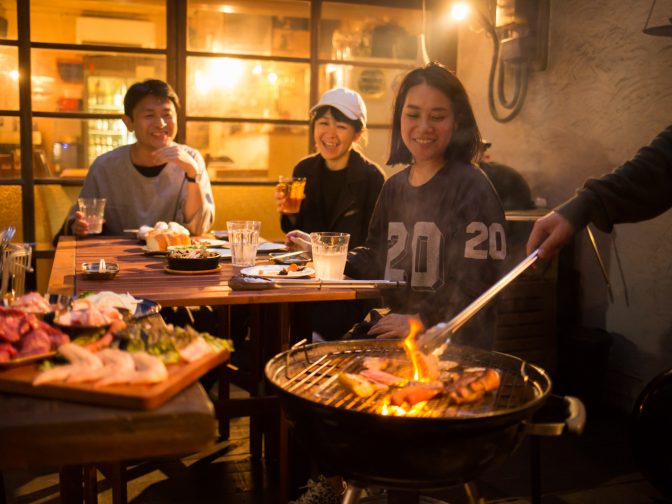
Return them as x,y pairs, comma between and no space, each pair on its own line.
436,338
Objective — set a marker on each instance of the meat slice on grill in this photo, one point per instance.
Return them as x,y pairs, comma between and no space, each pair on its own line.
357,384
472,386
415,393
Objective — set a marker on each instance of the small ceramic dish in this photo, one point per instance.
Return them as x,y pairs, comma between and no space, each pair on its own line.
93,271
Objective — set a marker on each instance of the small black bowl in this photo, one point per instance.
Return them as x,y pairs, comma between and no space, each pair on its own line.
193,264
91,271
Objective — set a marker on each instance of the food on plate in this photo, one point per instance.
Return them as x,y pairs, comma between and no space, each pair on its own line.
170,343
162,226
107,367
87,313
195,350
192,253
192,259
292,268
33,302
23,335
114,300
147,369
81,362
159,241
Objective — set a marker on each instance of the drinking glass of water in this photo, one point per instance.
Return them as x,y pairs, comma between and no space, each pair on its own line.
330,250
94,212
243,239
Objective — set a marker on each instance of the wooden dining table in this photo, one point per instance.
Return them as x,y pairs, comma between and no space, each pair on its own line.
278,317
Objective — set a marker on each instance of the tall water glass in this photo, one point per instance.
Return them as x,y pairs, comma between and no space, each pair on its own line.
330,250
243,239
94,212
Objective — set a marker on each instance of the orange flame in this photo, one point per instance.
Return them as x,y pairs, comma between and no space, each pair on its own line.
412,349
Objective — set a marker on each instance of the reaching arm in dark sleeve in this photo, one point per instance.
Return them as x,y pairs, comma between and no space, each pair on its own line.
638,190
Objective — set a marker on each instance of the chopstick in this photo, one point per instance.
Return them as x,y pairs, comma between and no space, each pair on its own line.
339,284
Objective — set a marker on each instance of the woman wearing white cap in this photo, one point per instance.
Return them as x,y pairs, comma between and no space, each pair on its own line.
342,187
341,184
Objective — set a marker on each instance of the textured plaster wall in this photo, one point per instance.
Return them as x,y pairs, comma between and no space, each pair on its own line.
606,92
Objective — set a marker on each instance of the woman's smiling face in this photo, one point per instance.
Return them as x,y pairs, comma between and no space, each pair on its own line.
427,124
334,139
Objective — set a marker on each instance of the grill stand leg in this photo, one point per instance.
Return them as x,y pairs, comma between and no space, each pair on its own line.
352,494
535,469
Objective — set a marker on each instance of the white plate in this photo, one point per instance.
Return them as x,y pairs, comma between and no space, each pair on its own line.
273,271
223,252
148,252
208,242
271,247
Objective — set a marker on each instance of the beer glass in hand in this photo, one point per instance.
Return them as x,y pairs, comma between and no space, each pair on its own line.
289,194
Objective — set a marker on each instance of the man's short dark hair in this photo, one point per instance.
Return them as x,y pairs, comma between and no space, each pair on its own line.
149,87
465,144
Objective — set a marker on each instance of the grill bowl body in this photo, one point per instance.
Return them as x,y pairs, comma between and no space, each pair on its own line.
407,452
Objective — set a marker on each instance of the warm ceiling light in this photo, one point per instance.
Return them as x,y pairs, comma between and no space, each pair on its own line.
459,11
14,75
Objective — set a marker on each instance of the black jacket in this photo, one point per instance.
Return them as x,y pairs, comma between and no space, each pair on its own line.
640,189
355,205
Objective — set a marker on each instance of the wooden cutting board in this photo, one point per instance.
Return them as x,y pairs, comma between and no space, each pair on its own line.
19,380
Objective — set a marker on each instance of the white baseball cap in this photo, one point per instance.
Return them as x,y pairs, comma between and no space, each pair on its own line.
345,100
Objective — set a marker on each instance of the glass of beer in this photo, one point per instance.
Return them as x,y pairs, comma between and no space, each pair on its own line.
330,251
293,189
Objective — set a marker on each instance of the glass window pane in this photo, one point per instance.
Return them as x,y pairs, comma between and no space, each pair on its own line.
273,28
9,78
10,148
235,151
132,23
248,202
10,210
8,20
227,87
376,85
67,147
362,32
52,204
74,81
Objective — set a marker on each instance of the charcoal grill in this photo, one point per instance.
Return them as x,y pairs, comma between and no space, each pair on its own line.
431,447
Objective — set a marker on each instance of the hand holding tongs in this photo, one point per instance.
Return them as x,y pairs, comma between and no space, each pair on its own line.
436,338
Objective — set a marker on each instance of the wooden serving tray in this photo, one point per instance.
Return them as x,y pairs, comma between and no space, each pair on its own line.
19,380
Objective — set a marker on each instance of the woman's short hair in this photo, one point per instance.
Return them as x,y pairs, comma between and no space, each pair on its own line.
465,144
153,87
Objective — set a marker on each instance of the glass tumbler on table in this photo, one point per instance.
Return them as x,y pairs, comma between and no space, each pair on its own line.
94,212
243,239
330,251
